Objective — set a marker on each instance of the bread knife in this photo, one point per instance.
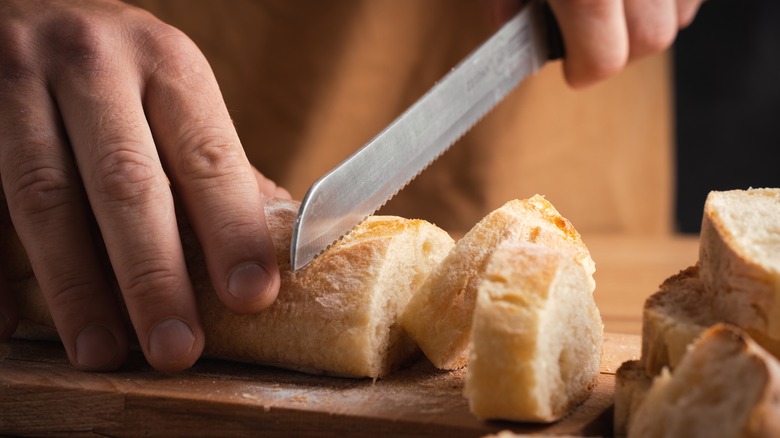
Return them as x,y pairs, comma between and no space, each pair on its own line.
361,184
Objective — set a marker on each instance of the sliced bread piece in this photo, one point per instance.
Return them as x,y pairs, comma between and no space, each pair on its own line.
439,316
631,386
674,317
739,255
726,385
680,311
536,337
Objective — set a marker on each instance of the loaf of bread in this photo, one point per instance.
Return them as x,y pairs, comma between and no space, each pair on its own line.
739,254
726,385
631,386
439,316
338,315
536,336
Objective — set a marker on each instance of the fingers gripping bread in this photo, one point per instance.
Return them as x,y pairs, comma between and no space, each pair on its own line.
338,315
726,385
439,316
739,256
536,336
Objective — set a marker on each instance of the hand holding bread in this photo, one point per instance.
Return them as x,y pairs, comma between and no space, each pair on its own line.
347,312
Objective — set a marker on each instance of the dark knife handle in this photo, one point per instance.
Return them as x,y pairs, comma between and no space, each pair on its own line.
555,47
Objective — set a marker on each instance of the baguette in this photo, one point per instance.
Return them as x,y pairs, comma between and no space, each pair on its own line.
439,316
338,315
726,385
536,336
739,254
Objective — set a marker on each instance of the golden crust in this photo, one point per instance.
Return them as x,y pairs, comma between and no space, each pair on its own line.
439,316
536,336
336,316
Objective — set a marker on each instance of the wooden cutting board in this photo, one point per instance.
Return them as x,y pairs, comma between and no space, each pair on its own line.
40,394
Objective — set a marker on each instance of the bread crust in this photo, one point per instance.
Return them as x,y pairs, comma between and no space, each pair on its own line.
674,317
439,316
336,316
738,253
631,386
536,337
701,399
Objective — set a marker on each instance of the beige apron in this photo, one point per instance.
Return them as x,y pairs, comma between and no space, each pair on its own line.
308,82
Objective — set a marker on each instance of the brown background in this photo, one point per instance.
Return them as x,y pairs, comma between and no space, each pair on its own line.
308,82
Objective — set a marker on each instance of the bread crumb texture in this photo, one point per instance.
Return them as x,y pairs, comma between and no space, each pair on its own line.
439,316
536,337
726,385
711,334
739,255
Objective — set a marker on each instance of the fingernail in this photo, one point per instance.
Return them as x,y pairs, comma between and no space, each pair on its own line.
170,342
96,347
248,281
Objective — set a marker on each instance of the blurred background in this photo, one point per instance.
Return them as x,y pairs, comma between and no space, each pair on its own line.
309,82
727,103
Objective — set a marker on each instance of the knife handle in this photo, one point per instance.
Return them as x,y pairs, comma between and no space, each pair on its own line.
555,46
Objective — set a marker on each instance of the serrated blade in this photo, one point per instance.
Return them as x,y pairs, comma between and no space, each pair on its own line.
361,184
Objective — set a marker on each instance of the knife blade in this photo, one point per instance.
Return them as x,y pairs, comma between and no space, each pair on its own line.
361,184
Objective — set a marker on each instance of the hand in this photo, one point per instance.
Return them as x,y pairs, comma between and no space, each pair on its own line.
601,36
102,104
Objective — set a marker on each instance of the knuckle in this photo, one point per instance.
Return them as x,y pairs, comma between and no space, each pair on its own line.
125,174
81,41
654,39
175,55
228,227
69,290
36,187
16,60
207,156
149,280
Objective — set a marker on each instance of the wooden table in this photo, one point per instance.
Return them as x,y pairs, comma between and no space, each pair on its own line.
40,394
629,269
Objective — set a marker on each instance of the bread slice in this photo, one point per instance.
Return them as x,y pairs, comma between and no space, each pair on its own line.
536,337
439,316
674,317
726,385
739,254
337,316
631,386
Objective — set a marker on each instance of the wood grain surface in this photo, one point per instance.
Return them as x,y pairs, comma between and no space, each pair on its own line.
40,394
